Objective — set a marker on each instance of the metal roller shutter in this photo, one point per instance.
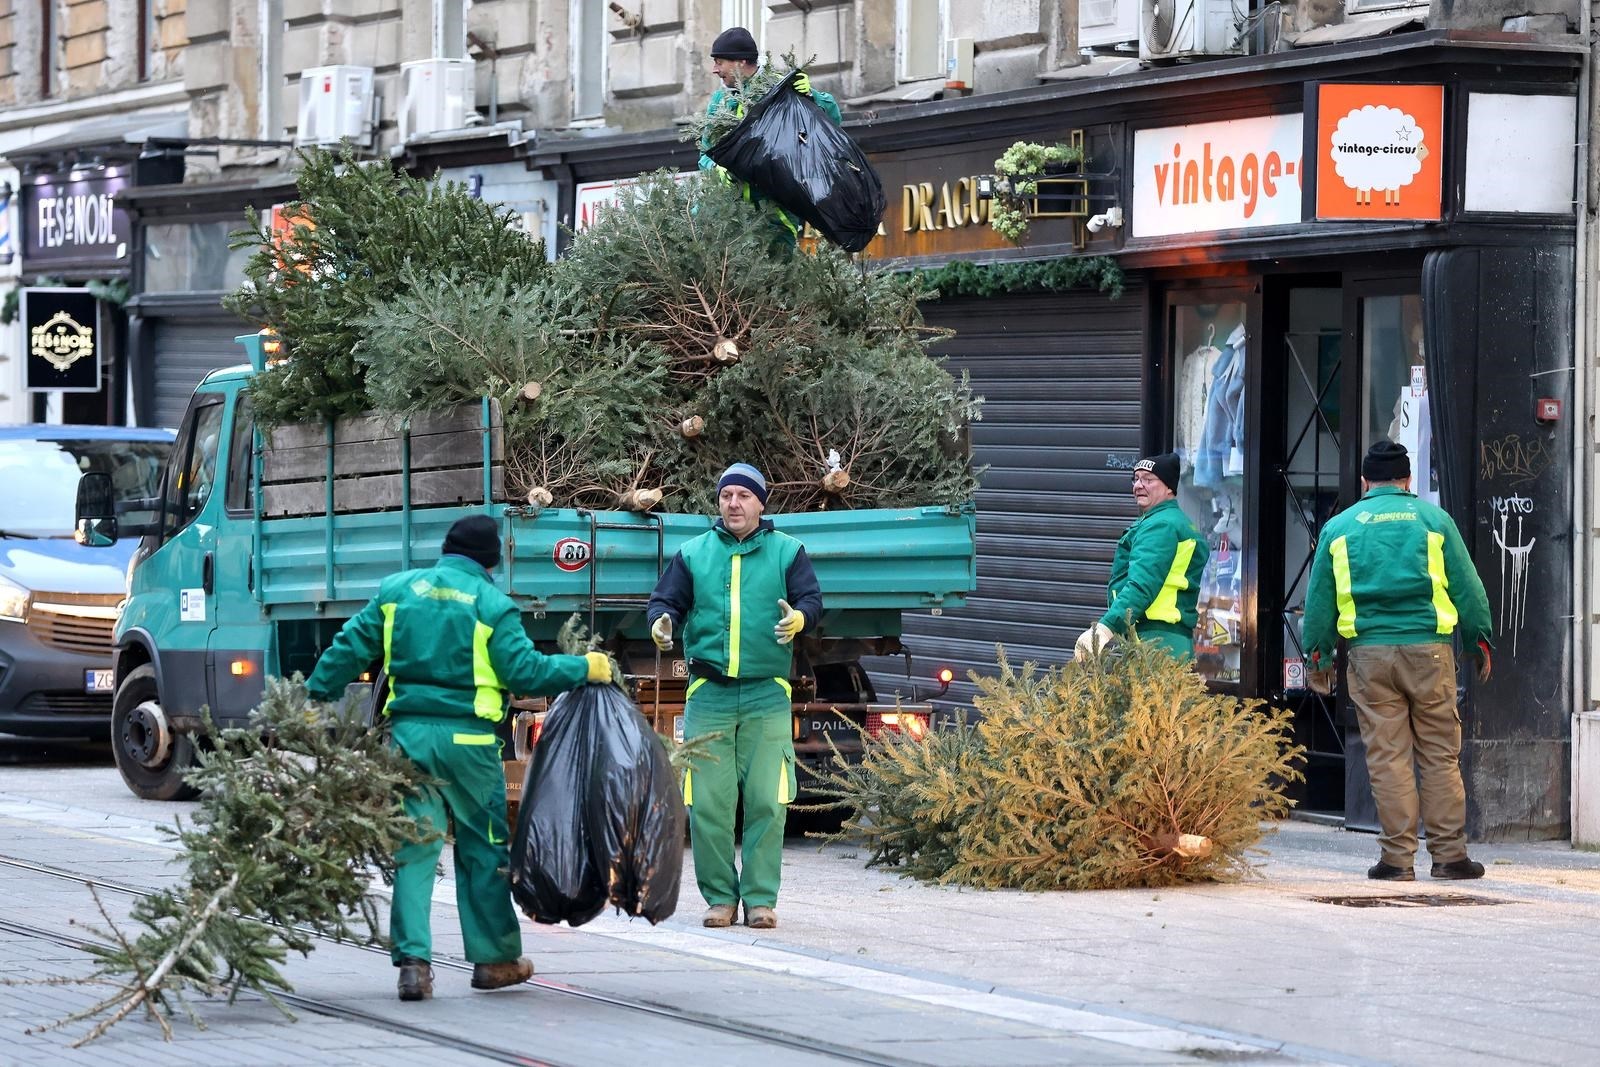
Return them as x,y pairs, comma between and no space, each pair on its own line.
185,351
1060,378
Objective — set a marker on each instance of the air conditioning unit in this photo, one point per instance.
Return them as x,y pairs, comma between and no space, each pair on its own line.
336,105
435,94
1107,22
1176,29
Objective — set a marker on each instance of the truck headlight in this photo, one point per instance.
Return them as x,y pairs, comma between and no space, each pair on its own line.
13,601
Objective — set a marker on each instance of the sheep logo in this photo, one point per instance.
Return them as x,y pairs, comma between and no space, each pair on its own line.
1378,147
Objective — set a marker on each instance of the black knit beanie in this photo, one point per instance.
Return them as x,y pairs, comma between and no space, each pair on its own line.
735,44
1165,466
1386,461
476,537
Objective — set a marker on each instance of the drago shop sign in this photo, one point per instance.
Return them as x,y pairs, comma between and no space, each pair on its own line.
63,339
75,220
1235,175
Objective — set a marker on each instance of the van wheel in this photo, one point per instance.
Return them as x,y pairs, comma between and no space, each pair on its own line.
152,758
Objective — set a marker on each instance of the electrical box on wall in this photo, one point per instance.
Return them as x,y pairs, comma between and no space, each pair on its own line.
959,54
435,94
336,104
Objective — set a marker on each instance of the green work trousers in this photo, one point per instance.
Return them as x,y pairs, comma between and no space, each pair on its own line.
751,753
464,755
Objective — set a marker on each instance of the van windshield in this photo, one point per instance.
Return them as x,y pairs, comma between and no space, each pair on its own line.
39,480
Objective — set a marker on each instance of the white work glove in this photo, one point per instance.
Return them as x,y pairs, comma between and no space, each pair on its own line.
661,632
1095,640
790,623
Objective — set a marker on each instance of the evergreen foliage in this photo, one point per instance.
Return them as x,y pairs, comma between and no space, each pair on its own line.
1116,772
707,128
297,809
964,277
361,230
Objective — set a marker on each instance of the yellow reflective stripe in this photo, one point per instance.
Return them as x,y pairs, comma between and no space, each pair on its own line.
788,690
696,684
785,786
1443,607
388,643
489,703
733,620
1164,608
688,788
1341,587
474,739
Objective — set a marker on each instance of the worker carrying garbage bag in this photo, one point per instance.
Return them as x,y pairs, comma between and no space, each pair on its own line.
452,645
601,819
784,156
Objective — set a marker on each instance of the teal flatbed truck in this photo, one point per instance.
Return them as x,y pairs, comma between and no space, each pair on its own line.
267,544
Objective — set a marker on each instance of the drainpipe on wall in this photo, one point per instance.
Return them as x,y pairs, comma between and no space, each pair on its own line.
1586,341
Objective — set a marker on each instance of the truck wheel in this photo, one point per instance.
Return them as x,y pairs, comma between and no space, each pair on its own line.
152,758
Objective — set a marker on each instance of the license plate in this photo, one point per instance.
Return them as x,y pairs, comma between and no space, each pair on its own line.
835,726
99,681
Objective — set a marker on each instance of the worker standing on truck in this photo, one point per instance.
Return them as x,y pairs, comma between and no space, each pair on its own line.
1154,590
742,592
452,646
735,60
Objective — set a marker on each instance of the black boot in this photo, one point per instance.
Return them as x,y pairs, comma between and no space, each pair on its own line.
1460,869
416,979
1388,872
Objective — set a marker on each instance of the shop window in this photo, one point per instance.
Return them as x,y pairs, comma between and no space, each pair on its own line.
1210,350
191,256
1396,404
921,39
588,60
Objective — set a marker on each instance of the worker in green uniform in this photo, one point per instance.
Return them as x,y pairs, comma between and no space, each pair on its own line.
742,592
453,646
1393,578
735,60
1155,576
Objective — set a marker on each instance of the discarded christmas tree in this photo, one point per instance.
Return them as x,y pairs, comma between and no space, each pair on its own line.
297,811
1110,773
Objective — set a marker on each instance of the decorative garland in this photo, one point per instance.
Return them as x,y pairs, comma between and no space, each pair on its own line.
964,277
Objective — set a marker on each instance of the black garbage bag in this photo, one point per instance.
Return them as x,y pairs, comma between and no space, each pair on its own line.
602,817
789,149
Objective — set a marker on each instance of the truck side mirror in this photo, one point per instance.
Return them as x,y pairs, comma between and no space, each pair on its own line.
96,524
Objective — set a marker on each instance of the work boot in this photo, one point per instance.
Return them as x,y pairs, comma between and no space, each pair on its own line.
1459,870
500,975
416,979
1388,872
760,917
720,915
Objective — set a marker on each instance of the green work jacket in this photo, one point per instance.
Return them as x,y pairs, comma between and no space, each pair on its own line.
1392,569
1155,575
451,643
723,593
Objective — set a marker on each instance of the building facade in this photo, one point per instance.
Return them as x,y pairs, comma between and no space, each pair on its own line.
1285,299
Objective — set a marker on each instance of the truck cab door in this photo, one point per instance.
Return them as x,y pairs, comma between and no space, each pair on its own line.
185,561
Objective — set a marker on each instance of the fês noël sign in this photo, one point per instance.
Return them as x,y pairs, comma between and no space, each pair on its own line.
78,220
62,330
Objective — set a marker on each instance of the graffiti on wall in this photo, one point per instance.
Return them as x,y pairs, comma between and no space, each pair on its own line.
1515,554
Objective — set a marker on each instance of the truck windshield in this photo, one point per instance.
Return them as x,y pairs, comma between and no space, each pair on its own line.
39,479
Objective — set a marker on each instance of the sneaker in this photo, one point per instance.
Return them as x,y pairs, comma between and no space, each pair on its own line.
416,979
1460,869
720,915
1388,872
500,975
760,918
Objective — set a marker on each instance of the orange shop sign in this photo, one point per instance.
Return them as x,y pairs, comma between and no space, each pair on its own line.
1380,151
1235,175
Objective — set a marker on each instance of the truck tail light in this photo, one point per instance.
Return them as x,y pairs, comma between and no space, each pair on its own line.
240,668
913,724
944,678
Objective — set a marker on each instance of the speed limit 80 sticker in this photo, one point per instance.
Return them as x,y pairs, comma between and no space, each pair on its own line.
571,554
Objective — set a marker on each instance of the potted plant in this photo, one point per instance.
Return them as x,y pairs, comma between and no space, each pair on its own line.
1018,171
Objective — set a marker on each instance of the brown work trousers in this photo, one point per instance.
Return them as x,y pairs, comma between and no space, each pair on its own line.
1405,698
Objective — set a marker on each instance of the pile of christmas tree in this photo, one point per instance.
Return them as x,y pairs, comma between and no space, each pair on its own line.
1105,773
671,340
